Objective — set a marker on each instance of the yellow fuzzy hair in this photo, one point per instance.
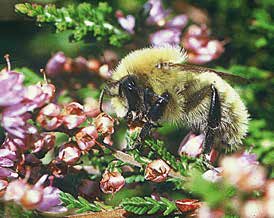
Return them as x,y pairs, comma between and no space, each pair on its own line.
182,86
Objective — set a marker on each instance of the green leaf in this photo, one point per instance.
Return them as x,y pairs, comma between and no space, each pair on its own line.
30,76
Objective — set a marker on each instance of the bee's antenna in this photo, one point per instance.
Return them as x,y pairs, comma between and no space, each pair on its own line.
101,99
7,57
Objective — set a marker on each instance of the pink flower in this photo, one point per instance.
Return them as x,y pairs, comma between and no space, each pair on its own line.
12,90
69,153
244,172
157,171
15,190
7,173
112,182
200,47
157,13
165,36
73,115
192,145
187,205
179,22
127,23
43,144
86,138
56,64
254,209
213,175
3,185
104,124
49,117
31,198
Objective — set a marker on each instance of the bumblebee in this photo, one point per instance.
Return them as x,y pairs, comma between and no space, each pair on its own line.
154,85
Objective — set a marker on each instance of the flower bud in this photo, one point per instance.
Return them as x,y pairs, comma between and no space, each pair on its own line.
112,182
32,198
187,205
73,115
56,64
157,171
192,145
86,137
104,124
69,153
49,117
3,185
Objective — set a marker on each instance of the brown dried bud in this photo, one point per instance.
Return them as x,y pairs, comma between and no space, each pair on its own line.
112,182
69,153
157,171
188,205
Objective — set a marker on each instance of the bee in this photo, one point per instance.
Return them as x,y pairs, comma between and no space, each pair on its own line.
154,85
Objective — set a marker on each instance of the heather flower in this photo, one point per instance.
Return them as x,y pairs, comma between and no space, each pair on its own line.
73,115
104,71
86,138
93,65
49,117
32,197
157,14
43,144
3,185
6,153
76,65
7,173
192,145
56,64
200,47
16,190
14,144
165,36
254,209
12,90
69,153
157,171
187,205
178,22
213,175
127,23
112,182
206,212
104,124
5,162
243,171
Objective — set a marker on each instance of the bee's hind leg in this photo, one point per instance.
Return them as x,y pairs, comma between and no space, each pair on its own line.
214,119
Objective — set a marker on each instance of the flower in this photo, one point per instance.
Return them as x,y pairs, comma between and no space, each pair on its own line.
56,64
12,90
73,115
254,209
213,175
3,185
157,171
127,23
187,205
93,65
7,173
112,182
58,168
177,22
43,144
86,138
15,190
49,117
243,171
192,145
157,13
69,153
165,36
32,197
200,47
104,124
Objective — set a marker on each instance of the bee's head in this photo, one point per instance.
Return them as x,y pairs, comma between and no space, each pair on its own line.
127,89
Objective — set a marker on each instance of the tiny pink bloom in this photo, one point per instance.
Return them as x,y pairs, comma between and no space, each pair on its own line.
187,205
31,198
78,65
86,138
6,153
178,22
73,115
165,36
5,162
3,185
49,117
104,124
69,153
12,90
192,145
6,173
14,144
157,14
157,171
128,23
213,175
15,190
56,64
43,144
254,209
112,182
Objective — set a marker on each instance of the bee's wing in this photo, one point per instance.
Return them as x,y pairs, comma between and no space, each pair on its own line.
188,68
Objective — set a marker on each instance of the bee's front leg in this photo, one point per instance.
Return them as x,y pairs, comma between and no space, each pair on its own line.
214,119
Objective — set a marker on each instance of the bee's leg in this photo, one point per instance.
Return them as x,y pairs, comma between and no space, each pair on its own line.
214,119
155,113
148,98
